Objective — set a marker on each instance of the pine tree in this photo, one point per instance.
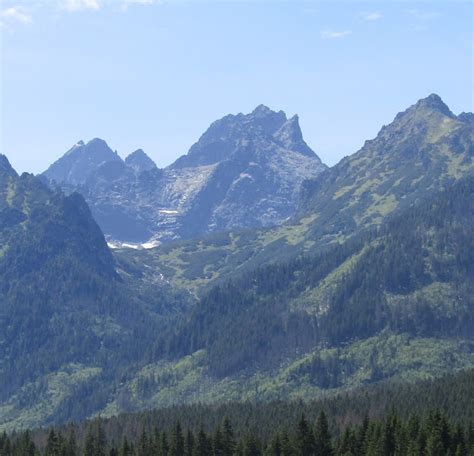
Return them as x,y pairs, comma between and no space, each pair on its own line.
125,450
388,435
177,441
189,444
286,447
322,436
52,445
239,451
251,447
203,447
7,447
413,427
217,443
374,440
100,439
304,438
228,440
457,440
347,443
434,444
27,447
362,436
142,449
275,447
89,445
164,446
71,445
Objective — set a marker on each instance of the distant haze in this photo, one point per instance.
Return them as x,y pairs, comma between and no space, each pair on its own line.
154,75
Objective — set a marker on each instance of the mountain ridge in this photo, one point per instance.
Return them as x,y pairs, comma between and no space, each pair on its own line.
369,281
253,163
66,316
388,174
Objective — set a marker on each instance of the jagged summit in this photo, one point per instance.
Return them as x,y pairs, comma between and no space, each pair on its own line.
6,167
291,137
140,161
425,147
267,119
428,117
264,111
77,164
466,117
98,142
261,109
425,108
433,102
226,135
245,171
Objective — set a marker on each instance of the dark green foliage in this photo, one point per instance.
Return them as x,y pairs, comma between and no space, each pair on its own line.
62,305
65,310
322,436
228,440
177,441
203,446
247,322
304,441
403,419
435,435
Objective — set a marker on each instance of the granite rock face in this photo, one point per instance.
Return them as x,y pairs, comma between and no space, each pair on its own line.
80,161
245,171
140,161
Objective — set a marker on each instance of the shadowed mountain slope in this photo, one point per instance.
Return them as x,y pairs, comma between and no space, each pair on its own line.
424,149
245,171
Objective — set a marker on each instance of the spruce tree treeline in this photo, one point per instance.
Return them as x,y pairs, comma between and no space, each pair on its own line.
434,435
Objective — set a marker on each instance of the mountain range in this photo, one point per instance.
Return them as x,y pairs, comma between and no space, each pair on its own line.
275,277
425,148
245,171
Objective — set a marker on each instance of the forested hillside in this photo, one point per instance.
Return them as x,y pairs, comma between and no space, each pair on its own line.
68,323
412,275
395,302
372,281
425,148
430,417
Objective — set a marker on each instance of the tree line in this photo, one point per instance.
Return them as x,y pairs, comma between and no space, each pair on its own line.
433,435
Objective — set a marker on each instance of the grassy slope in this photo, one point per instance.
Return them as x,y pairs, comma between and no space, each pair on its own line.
390,353
425,148
384,177
399,357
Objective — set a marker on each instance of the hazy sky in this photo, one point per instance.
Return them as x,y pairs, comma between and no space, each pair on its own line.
154,74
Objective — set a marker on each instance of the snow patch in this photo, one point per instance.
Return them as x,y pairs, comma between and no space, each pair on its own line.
168,212
150,244
128,245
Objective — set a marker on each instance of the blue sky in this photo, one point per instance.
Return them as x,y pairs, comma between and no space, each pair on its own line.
154,74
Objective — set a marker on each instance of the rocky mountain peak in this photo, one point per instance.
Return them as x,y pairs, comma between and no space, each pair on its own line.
267,119
425,109
291,137
79,162
5,167
291,129
424,120
140,161
225,135
466,117
433,102
261,109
